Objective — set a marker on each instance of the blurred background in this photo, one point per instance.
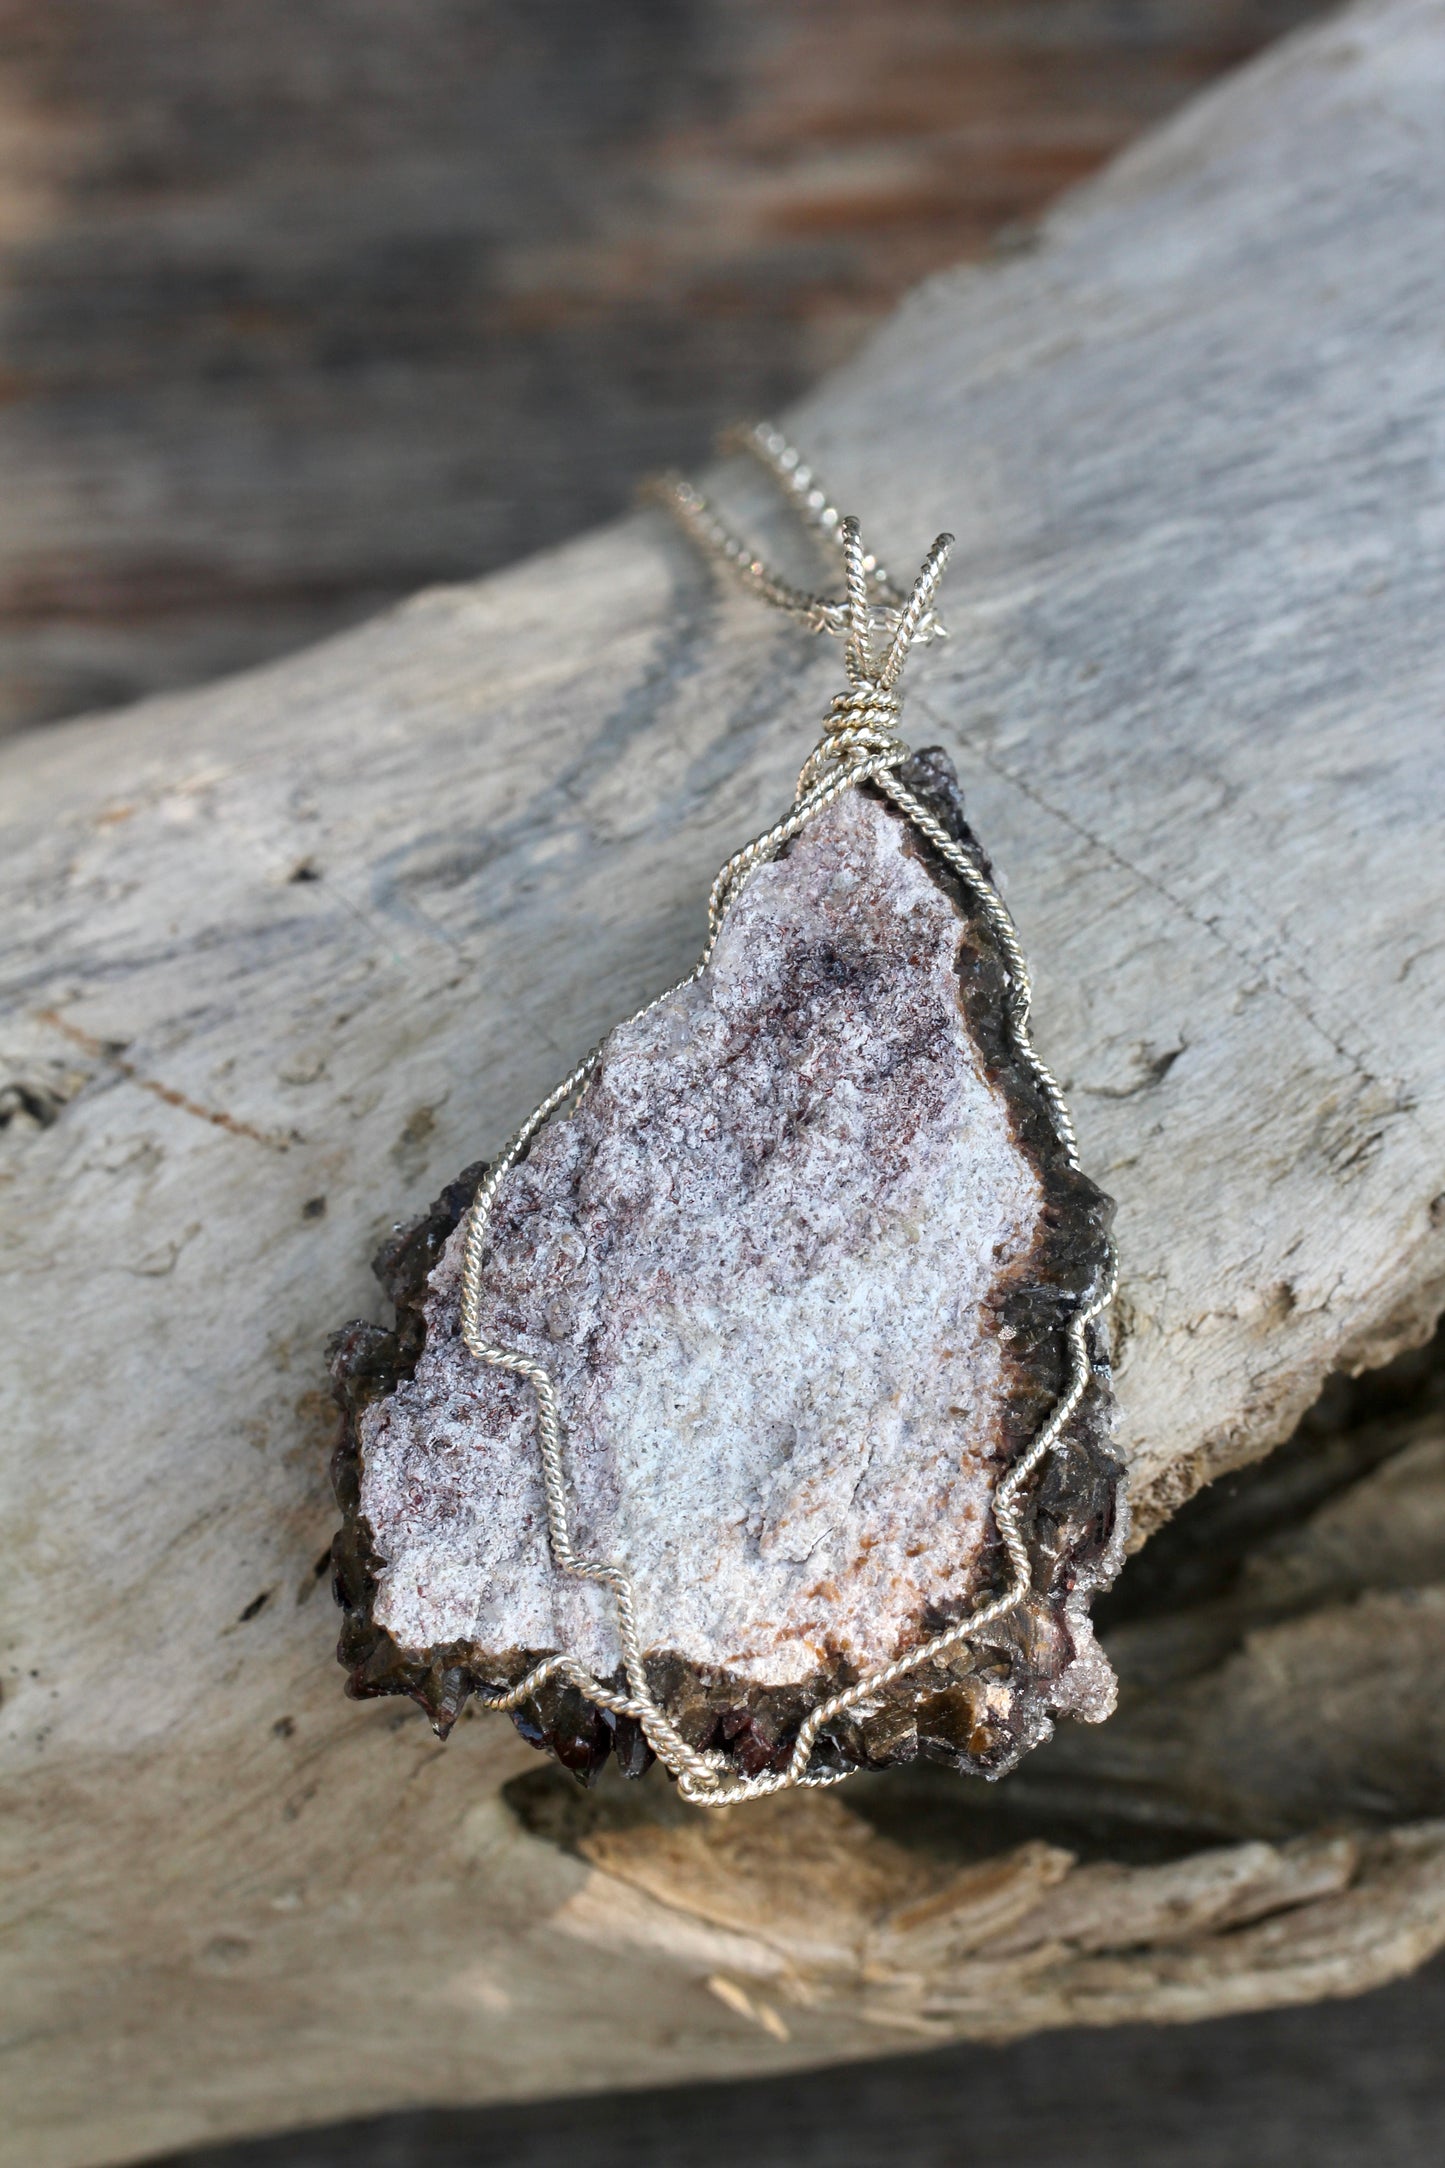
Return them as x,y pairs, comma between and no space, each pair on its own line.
305,304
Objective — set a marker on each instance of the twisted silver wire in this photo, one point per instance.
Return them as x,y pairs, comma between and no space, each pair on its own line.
700,518
785,465
860,744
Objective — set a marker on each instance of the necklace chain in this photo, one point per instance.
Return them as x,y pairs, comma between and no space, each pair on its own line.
860,744
785,465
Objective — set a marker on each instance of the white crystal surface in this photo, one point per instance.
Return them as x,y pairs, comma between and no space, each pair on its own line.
758,1261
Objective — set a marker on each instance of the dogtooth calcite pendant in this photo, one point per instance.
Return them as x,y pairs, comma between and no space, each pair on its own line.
753,1412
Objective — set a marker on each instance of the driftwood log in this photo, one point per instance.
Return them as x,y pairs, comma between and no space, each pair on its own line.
284,955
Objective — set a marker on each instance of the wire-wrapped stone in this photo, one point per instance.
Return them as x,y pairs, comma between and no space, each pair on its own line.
808,1266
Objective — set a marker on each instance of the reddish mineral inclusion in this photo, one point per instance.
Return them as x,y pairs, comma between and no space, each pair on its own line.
797,1264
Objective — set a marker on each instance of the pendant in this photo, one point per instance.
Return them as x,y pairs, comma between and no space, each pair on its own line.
754,1413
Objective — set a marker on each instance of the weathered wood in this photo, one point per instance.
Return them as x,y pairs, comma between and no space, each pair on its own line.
305,307
285,954
1341,2085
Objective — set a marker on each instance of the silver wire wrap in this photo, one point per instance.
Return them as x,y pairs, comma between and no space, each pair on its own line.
785,466
860,744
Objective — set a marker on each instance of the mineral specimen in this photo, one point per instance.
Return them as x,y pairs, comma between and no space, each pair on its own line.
799,1264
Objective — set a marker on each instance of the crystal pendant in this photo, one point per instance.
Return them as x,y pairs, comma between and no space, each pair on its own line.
813,1278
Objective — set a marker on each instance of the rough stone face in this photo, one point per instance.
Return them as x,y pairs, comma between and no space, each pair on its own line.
797,1264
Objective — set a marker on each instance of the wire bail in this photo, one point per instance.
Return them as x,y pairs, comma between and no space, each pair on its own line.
864,720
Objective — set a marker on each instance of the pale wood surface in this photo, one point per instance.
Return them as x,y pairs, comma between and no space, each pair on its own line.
1191,449
1349,2085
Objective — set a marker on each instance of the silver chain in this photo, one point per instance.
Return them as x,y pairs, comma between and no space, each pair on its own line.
784,465
860,744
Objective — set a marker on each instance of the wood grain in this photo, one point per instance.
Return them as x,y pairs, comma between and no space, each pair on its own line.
1341,2086
306,303
284,954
